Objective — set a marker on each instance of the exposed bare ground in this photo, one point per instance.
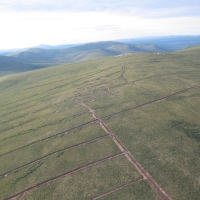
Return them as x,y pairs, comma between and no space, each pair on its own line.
51,154
159,191
27,191
118,188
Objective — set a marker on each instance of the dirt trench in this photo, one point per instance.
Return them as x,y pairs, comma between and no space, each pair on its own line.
157,188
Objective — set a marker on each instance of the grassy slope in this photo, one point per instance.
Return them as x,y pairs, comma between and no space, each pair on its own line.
10,65
42,121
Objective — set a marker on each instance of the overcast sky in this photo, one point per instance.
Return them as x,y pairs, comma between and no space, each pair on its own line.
26,23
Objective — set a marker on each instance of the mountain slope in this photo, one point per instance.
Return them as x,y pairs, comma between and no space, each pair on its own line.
55,55
77,53
167,43
115,128
10,65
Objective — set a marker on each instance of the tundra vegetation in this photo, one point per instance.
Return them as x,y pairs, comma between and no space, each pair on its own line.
112,128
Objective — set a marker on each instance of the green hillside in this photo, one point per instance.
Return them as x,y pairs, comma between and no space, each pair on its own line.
79,53
10,65
114,128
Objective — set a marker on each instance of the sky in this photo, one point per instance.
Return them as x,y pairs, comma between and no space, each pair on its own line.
27,23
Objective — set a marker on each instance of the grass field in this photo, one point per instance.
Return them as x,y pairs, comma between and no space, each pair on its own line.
114,128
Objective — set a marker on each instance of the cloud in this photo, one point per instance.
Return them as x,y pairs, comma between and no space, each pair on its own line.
31,22
25,29
156,8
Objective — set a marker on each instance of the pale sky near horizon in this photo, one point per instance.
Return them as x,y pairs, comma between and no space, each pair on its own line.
26,23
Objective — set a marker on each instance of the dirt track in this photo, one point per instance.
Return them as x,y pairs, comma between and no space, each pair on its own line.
151,102
25,192
51,154
88,75
52,136
118,188
159,191
149,77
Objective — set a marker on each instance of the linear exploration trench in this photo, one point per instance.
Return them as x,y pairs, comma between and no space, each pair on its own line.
160,192
25,192
79,94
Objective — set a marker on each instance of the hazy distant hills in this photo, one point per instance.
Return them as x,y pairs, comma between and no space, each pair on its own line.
79,53
19,60
10,65
168,43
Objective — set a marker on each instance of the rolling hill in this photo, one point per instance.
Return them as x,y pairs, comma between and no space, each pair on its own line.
46,56
78,53
114,128
167,43
11,65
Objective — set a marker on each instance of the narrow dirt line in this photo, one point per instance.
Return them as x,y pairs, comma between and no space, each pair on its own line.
106,129
134,81
52,154
123,74
70,83
157,189
8,113
151,102
52,136
73,80
99,78
154,185
155,76
118,188
52,123
28,190
42,109
91,86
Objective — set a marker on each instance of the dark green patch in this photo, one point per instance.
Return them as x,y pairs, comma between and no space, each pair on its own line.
60,154
191,130
28,172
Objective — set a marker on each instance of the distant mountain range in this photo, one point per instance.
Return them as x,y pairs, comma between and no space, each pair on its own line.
168,43
19,60
11,65
79,53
